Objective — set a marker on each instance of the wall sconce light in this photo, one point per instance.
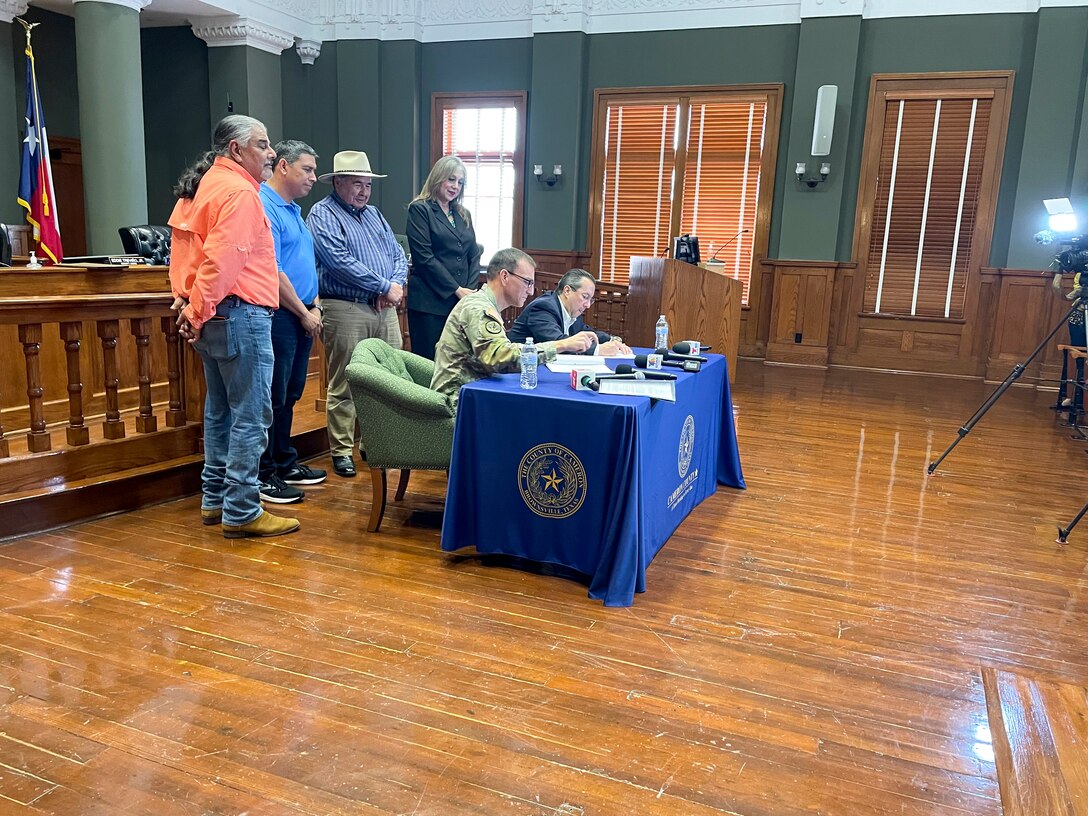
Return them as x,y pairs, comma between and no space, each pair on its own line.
812,181
552,180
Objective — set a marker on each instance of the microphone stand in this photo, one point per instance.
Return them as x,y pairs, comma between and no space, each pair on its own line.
714,254
1014,375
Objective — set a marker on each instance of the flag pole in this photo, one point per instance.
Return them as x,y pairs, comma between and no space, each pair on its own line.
36,192
29,27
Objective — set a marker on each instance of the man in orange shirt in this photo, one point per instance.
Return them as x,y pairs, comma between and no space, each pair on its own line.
226,287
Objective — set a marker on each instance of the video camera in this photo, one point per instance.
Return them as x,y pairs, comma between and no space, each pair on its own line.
1074,255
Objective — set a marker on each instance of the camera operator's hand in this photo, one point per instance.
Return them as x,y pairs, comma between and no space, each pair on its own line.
1056,281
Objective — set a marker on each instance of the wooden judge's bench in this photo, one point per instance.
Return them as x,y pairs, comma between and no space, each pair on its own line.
97,392
101,400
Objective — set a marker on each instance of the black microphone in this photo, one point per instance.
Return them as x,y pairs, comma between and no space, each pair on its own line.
727,243
684,361
664,360
682,351
590,382
623,368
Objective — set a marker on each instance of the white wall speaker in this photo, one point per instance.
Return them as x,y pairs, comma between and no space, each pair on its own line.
824,125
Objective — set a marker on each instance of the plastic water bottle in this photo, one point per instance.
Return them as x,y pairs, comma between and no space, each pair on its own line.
528,364
661,333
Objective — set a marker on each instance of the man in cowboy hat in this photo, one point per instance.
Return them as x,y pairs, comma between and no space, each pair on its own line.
361,272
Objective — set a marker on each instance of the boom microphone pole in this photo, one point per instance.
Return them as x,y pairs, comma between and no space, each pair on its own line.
1014,375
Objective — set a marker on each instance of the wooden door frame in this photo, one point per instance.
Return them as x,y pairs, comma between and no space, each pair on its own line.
1000,84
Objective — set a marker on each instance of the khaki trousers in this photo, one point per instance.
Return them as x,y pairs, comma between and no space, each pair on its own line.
346,323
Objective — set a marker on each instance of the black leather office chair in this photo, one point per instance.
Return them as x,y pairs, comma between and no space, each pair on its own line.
148,241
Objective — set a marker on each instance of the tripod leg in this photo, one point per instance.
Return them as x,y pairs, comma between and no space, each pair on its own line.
1064,382
1063,533
1014,375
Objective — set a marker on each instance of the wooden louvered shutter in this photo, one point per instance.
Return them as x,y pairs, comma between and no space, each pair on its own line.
721,181
639,157
932,154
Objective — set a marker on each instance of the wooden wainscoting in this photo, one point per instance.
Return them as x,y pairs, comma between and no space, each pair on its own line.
1025,310
801,307
755,316
903,343
794,311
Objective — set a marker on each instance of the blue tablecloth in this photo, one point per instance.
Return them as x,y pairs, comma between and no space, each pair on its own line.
593,482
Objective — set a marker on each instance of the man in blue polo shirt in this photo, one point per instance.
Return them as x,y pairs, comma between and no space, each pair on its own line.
296,322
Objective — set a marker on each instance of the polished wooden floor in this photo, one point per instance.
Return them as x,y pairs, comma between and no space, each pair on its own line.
814,645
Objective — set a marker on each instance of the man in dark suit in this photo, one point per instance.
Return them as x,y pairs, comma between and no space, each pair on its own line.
559,314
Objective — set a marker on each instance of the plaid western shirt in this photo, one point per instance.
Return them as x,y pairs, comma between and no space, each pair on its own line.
358,256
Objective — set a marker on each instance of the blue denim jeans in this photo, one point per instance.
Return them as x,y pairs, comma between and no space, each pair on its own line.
236,347
291,348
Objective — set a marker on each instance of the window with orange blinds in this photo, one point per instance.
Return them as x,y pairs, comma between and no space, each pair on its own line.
931,168
721,185
636,193
672,164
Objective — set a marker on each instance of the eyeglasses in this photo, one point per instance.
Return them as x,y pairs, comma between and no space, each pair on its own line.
530,285
586,297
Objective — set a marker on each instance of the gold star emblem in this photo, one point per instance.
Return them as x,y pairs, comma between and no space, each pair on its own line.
553,481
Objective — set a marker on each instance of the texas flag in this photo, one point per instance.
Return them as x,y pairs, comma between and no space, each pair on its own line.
36,179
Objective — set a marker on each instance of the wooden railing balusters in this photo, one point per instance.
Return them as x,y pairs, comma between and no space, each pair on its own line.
141,330
175,414
76,432
30,335
108,331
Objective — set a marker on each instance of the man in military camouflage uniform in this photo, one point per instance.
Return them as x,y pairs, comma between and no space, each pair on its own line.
474,344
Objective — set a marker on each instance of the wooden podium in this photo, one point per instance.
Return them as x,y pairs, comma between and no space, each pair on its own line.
700,304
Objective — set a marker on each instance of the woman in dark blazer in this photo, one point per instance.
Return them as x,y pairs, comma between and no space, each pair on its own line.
445,255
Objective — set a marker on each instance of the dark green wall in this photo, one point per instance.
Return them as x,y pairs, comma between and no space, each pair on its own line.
556,136
310,109
809,216
1053,144
174,59
10,131
399,133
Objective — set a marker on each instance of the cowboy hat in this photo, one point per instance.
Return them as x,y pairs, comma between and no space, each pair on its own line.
350,163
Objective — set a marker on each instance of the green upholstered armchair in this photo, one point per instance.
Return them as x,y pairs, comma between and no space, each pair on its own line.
403,423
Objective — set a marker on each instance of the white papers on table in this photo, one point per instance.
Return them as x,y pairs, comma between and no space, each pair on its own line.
654,389
565,363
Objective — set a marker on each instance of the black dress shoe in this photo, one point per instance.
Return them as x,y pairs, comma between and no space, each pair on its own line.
343,466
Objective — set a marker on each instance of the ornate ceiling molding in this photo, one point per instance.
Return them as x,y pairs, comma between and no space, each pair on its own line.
831,8
10,9
135,5
562,15
274,25
308,51
223,31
